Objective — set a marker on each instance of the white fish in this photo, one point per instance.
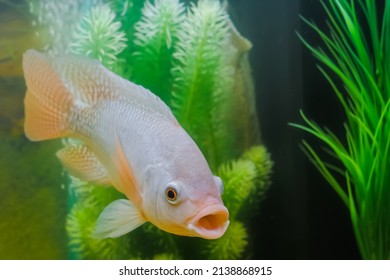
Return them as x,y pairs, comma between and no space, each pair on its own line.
130,139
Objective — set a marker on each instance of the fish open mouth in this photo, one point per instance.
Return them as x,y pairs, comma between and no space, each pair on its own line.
211,222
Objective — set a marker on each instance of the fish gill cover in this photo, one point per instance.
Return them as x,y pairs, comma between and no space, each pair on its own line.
193,57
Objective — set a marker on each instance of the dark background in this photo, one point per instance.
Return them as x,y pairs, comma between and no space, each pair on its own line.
301,217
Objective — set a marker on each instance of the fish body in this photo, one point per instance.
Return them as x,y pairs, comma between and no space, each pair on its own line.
129,139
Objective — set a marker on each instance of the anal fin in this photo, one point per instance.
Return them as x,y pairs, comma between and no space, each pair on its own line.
82,163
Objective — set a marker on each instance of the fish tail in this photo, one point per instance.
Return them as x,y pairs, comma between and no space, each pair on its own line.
48,103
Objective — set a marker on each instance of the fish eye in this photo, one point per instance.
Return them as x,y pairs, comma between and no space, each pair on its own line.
171,194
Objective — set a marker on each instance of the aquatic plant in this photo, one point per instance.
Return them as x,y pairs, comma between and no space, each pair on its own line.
239,180
57,21
98,36
81,221
200,63
358,54
196,61
245,182
155,37
231,245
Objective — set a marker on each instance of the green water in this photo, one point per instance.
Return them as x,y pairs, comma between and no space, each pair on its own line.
33,204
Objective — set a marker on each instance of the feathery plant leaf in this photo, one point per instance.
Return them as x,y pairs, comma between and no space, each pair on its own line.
263,164
357,51
199,56
128,12
99,36
81,225
155,39
166,256
58,19
246,180
239,181
231,245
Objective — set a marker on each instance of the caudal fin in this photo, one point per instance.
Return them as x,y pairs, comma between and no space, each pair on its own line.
47,102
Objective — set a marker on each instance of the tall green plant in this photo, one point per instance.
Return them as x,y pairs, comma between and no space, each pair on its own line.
357,53
98,35
200,57
155,38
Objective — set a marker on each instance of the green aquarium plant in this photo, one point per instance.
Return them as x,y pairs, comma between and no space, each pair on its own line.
356,63
155,37
98,36
194,59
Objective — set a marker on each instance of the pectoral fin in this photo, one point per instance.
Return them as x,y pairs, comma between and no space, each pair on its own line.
117,219
82,163
126,181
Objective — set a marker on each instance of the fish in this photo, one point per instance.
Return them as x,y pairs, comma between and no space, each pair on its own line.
127,137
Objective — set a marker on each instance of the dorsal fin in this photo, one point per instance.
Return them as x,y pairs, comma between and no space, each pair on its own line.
89,82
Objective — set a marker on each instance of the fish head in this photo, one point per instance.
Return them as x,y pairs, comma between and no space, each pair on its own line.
188,206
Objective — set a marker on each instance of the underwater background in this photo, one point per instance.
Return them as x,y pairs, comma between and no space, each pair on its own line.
295,215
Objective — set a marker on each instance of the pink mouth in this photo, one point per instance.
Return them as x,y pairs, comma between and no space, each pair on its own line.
211,222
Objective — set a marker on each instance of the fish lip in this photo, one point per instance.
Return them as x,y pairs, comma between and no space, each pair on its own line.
210,222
